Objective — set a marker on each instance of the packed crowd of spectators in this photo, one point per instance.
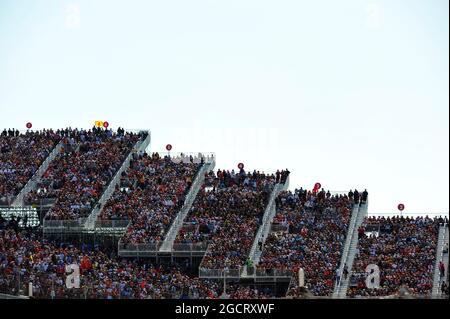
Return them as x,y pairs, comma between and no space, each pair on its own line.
150,195
403,248
25,257
77,177
227,213
21,155
314,232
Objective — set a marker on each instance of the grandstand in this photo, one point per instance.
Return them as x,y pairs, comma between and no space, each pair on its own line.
136,224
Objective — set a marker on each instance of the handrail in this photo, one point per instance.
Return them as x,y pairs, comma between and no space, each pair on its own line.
439,257
193,247
273,272
63,226
220,273
138,248
237,273
269,213
348,245
409,214
112,223
348,241
186,154
155,247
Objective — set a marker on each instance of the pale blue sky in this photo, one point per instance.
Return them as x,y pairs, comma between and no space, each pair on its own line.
349,93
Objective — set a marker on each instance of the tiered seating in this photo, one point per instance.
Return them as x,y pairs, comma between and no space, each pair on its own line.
227,212
151,193
101,276
309,228
404,251
21,155
81,172
316,226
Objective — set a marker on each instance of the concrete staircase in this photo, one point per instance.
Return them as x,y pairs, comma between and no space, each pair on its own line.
264,229
31,184
440,256
178,222
350,248
346,249
140,146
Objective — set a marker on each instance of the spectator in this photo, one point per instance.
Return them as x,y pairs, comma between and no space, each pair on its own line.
226,213
21,155
405,252
81,172
150,195
316,230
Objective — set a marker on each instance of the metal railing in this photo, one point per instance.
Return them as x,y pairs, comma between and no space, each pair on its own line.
153,248
63,226
112,223
220,273
265,227
194,247
184,157
125,249
273,272
352,236
408,214
237,273
437,279
348,240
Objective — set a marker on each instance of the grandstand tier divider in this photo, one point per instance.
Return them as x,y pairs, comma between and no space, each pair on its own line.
33,181
168,243
207,273
91,222
441,255
264,229
341,285
153,250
